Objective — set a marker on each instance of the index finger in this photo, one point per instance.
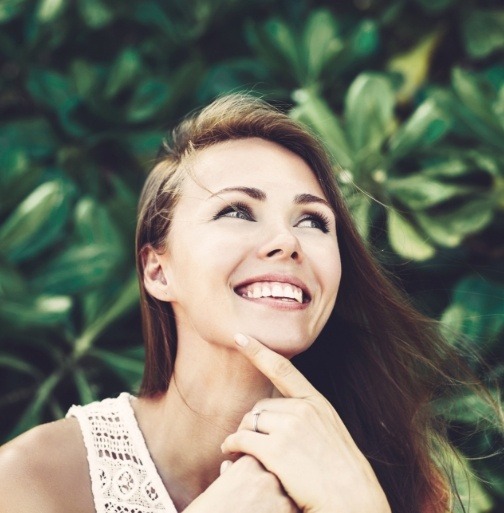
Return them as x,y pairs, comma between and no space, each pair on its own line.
280,371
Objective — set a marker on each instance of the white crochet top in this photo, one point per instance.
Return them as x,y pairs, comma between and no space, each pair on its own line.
124,478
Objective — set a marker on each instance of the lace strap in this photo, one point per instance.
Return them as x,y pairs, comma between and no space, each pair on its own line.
124,478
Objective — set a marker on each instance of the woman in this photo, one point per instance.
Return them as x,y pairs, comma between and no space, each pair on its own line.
247,258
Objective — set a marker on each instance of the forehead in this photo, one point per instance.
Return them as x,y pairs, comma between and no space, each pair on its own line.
250,162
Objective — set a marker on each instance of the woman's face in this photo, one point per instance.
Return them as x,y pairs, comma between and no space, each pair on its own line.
252,248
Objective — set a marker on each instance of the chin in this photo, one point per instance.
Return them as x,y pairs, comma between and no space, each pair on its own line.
282,343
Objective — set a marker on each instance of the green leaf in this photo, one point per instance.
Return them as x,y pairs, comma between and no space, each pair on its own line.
477,311
34,136
419,192
77,269
42,311
320,43
124,70
315,113
10,9
469,488
52,89
93,224
12,362
476,98
33,413
128,368
275,45
36,222
151,96
427,125
49,10
405,239
483,31
95,13
84,387
369,109
469,408
360,206
449,229
127,298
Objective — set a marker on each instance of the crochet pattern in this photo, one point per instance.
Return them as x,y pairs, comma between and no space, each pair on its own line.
124,478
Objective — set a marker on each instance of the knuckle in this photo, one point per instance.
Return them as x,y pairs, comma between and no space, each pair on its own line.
282,367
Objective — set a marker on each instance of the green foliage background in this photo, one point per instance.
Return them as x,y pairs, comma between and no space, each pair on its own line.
408,96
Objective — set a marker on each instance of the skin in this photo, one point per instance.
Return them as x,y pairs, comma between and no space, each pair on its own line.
217,383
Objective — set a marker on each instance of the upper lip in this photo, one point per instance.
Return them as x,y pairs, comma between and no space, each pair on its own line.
281,278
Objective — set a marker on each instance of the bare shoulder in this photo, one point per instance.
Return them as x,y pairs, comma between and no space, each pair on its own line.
45,470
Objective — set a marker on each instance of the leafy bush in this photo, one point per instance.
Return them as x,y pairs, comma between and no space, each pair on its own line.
408,97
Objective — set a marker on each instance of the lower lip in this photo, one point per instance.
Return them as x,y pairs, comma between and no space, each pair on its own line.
277,304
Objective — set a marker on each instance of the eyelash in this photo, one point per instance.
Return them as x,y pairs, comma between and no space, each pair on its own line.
320,219
241,208
238,208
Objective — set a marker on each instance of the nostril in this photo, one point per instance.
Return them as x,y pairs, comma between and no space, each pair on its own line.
275,252
295,255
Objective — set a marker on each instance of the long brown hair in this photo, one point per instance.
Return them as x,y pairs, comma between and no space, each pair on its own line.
378,360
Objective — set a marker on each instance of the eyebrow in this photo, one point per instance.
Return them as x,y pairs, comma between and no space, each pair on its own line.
257,194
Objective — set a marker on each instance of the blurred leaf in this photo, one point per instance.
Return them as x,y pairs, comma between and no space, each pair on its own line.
125,300
427,125
11,8
365,39
449,229
52,89
419,192
34,136
48,10
94,226
369,110
85,78
151,96
320,43
95,13
275,44
360,206
470,408
78,268
405,239
477,311
128,368
36,222
124,70
483,31
414,65
12,362
33,413
470,490
84,387
472,93
315,113
42,311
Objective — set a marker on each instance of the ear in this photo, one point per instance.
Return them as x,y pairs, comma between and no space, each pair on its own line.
154,277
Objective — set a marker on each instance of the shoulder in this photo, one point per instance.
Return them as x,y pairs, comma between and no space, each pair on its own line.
44,470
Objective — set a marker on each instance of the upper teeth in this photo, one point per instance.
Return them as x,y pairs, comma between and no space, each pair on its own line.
273,289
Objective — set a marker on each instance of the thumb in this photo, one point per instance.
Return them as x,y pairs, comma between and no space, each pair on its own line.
224,466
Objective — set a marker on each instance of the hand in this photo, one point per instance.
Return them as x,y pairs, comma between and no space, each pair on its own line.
244,486
303,441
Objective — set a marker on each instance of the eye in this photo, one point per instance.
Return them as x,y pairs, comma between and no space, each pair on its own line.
318,221
236,210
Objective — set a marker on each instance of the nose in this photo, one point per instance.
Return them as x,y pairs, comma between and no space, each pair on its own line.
282,246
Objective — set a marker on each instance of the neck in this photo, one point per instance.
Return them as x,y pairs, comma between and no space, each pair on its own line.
211,389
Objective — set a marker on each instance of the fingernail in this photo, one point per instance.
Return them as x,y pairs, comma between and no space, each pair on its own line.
241,340
225,465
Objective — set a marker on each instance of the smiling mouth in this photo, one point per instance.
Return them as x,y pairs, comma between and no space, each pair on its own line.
285,292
